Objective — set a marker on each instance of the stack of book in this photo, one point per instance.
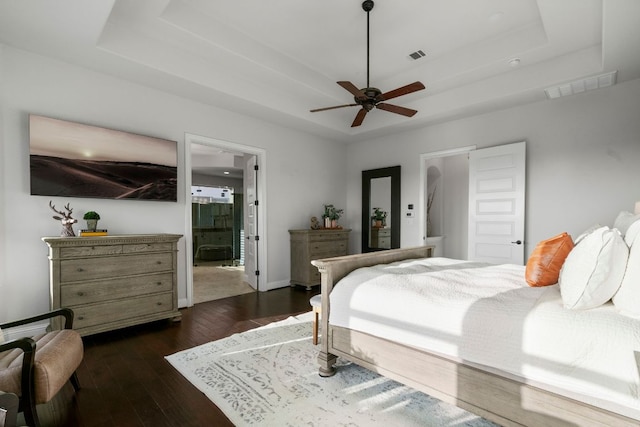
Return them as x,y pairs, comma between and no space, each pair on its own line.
87,233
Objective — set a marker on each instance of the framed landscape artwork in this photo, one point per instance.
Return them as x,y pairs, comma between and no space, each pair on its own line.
75,160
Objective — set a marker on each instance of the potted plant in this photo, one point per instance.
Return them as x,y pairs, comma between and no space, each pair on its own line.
92,220
331,216
379,217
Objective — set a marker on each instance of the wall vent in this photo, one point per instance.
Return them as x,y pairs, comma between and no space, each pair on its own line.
582,85
417,54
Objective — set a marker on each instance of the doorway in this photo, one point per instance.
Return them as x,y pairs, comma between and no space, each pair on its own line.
444,194
473,202
216,217
217,230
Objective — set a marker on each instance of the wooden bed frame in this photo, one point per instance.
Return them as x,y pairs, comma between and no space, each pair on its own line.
496,397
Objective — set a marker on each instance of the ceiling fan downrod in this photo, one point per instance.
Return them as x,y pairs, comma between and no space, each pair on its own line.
367,6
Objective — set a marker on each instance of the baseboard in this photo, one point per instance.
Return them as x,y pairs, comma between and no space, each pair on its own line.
25,331
182,303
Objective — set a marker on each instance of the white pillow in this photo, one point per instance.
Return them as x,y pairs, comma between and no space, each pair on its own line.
627,299
585,233
594,269
624,220
632,232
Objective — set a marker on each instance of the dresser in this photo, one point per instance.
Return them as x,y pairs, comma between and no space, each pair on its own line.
114,281
380,238
307,245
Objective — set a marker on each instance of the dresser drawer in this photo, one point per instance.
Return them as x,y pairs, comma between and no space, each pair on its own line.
327,249
119,310
74,270
314,274
84,251
327,236
104,290
146,247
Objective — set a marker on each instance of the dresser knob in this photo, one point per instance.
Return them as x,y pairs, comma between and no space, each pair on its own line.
158,262
159,303
158,283
81,294
80,317
80,269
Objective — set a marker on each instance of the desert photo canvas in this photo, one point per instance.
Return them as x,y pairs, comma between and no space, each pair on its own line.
76,160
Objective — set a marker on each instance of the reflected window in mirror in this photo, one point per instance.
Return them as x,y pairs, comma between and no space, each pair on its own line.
381,209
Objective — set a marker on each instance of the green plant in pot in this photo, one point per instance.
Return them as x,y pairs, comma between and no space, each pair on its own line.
331,216
379,217
92,220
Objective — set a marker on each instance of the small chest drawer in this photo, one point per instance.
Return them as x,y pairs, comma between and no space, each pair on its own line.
120,310
319,249
146,247
327,236
74,270
83,251
104,290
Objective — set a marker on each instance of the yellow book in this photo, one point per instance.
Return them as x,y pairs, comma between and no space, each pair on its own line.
87,233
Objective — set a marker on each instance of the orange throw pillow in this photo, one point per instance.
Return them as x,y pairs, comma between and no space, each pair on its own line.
544,264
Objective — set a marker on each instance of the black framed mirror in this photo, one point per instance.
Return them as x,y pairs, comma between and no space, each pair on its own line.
381,209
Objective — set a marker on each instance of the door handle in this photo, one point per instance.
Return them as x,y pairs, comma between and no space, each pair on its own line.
517,242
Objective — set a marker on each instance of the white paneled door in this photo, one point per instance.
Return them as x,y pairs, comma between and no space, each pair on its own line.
496,204
251,222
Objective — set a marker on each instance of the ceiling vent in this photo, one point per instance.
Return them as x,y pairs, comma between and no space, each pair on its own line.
582,85
417,54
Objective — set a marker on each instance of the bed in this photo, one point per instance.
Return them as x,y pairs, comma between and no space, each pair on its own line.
513,386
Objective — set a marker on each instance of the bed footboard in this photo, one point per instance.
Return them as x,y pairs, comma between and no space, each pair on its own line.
334,269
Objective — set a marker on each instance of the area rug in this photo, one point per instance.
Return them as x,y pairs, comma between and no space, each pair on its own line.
269,377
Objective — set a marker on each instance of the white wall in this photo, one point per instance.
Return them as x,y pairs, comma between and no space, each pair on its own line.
583,154
303,171
3,180
456,206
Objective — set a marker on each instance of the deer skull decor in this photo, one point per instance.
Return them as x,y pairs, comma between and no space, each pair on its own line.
65,219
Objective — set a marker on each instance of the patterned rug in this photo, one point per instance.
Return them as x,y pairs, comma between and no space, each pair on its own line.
269,377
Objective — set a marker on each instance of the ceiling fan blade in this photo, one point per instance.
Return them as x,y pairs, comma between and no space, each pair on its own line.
359,118
353,90
397,109
333,108
404,90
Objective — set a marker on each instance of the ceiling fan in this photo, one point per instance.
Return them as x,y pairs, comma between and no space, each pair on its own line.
372,97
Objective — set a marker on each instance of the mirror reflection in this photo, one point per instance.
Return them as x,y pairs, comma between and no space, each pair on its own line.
381,209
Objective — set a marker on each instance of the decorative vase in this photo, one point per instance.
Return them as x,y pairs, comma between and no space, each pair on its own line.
334,223
92,224
378,223
327,222
429,227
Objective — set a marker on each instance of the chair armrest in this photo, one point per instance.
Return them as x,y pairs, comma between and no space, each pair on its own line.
28,346
67,313
8,409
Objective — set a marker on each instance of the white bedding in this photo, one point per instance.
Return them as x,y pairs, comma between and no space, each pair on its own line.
488,315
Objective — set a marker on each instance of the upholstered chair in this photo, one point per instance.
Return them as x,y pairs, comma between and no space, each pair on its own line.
8,409
36,368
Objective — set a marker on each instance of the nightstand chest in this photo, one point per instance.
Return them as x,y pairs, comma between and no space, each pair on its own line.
380,238
307,245
114,281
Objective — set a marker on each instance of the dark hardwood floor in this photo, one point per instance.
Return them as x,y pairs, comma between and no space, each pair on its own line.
125,380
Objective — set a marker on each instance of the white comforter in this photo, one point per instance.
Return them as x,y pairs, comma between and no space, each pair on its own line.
487,315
